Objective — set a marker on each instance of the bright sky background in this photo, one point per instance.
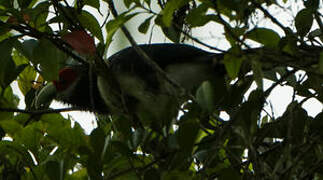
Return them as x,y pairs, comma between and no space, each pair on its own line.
211,34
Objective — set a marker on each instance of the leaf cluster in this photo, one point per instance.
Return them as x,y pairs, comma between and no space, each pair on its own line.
251,143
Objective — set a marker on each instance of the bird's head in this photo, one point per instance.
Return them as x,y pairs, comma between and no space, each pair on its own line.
67,77
71,87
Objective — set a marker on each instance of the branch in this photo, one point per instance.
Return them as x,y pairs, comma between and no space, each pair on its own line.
39,112
273,19
277,57
135,169
318,20
198,41
228,28
65,14
59,43
283,78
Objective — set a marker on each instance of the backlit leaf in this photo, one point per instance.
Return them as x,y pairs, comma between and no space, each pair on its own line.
303,22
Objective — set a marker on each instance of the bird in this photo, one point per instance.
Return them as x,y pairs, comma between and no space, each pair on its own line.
142,92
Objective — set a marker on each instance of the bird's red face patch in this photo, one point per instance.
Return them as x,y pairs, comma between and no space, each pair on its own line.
66,78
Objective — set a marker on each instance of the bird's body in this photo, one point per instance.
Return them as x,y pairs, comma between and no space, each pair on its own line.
143,91
172,58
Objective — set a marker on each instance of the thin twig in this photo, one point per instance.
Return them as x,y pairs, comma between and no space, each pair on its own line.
273,19
228,28
105,20
318,20
198,41
135,169
59,43
283,78
39,112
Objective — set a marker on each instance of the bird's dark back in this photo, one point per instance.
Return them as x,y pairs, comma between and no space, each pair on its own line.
163,54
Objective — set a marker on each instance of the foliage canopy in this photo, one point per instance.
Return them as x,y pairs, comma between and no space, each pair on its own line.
37,38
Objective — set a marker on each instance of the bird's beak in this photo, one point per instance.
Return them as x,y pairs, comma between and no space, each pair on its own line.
46,96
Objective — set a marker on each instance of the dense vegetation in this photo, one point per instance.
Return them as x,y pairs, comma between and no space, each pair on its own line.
37,38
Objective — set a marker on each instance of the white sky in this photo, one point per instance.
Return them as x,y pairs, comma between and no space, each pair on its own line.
211,34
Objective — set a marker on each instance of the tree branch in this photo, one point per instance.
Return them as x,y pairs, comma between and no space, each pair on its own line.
273,19
39,112
59,43
134,169
198,41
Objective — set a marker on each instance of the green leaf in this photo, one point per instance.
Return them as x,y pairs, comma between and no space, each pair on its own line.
118,164
172,33
30,137
97,139
314,82
7,100
127,3
13,149
121,148
205,96
170,7
229,173
93,3
123,126
264,36
9,71
196,14
186,135
231,34
230,4
6,71
60,128
4,31
22,118
27,76
137,137
247,116
257,73
151,173
236,93
198,17
50,58
54,171
113,25
26,48
176,175
288,44
24,3
2,132
303,21
7,65
10,127
7,3
232,62
317,124
312,4
38,16
315,33
296,117
90,23
143,28
321,63
79,174
148,2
